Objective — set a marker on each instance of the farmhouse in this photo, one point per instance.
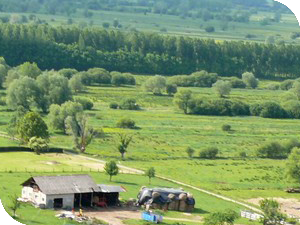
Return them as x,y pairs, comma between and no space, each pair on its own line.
69,192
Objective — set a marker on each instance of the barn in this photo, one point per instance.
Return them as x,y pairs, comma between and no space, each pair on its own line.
69,192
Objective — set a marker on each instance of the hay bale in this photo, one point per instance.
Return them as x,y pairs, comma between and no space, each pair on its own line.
190,208
182,196
182,206
155,195
172,197
155,206
143,187
190,195
165,207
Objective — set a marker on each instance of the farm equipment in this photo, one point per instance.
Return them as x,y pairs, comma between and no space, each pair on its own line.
155,218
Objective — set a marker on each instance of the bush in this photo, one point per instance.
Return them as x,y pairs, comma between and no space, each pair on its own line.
210,29
237,83
226,127
87,104
287,85
273,110
255,109
272,150
119,79
273,86
250,80
126,123
243,154
190,152
171,89
209,153
113,105
292,108
129,104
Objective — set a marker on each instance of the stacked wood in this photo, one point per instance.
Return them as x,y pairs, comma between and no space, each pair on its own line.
182,202
174,204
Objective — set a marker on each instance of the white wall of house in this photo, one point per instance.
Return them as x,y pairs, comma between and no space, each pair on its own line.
68,200
36,197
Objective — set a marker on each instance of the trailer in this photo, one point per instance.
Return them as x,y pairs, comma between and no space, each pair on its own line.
155,218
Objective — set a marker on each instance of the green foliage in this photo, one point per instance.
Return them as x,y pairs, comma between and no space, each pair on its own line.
293,165
67,72
250,80
58,114
222,88
209,153
272,110
111,168
209,29
150,173
113,105
118,79
271,210
124,141
76,84
182,99
32,125
29,69
190,152
126,123
129,104
100,76
237,83
24,92
272,150
292,108
14,205
86,103
226,127
38,144
171,89
286,84
156,85
296,89
221,218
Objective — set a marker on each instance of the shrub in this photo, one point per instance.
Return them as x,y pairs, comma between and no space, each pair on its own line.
113,105
272,110
273,86
171,89
87,104
226,127
243,154
272,150
129,104
209,153
286,85
126,123
222,87
237,83
190,152
210,29
292,108
250,80
290,144
255,109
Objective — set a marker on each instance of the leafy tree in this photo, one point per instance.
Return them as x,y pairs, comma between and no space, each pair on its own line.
182,99
129,104
3,74
150,173
12,75
296,89
116,23
209,153
105,25
221,218
222,88
111,168
68,73
124,141
272,110
190,152
14,205
271,212
32,125
38,144
58,114
100,76
24,92
18,115
226,127
292,108
156,84
86,103
82,134
250,80
113,105
117,79
126,123
272,150
171,89
293,165
29,69
286,85
75,83
237,83
210,29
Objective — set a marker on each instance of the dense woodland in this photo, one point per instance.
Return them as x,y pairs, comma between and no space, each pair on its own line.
139,52
191,8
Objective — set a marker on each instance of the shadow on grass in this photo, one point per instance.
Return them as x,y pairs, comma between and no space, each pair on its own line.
126,183
200,211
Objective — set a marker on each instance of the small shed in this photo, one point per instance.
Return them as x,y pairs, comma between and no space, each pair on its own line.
72,191
108,194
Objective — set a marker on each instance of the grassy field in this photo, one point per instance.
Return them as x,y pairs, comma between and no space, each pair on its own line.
191,27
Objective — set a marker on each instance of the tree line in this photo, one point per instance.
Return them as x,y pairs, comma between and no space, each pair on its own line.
141,52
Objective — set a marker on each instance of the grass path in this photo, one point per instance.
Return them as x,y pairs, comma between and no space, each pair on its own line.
132,170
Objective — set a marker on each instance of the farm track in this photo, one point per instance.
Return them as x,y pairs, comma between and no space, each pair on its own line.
136,171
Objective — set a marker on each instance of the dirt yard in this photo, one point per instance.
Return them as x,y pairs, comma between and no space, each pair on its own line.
289,206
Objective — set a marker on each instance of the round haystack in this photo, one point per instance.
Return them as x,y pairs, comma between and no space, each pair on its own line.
155,194
190,195
171,196
183,196
142,188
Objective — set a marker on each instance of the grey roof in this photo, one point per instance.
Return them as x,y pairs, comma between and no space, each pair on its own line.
65,184
110,189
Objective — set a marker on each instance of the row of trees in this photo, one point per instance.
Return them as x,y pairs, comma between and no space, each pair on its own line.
139,52
185,101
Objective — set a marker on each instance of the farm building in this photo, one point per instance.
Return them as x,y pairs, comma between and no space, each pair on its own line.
166,199
69,192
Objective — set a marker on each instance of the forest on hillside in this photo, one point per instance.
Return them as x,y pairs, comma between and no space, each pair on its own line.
141,52
231,10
